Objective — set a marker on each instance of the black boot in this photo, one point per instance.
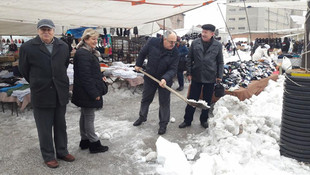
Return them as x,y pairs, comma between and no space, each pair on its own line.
139,121
96,147
84,144
162,130
180,88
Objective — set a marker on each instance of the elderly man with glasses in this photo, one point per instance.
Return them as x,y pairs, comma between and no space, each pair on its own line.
163,59
43,63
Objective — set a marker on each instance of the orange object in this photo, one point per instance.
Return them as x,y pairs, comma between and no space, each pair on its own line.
103,65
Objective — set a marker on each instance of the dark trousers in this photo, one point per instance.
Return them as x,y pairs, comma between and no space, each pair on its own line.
180,78
149,90
47,121
194,93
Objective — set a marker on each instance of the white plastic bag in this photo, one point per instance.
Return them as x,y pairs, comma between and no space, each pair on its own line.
286,64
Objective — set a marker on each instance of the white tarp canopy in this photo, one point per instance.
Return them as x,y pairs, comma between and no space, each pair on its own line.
90,13
294,5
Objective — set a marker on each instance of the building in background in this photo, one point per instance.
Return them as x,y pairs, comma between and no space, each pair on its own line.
261,20
173,22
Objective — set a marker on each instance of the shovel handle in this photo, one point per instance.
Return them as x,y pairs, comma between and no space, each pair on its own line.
165,86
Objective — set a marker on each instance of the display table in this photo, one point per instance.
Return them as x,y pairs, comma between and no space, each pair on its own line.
4,98
131,83
7,59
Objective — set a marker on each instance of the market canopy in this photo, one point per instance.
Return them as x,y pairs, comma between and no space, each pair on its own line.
293,5
94,13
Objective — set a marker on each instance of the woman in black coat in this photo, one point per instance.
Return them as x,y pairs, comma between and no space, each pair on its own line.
88,89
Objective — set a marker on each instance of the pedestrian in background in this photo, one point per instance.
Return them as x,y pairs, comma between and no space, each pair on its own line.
183,51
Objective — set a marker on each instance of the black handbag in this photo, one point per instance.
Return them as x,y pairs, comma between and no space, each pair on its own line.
105,88
219,90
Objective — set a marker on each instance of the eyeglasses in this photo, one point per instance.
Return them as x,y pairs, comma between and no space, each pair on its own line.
171,42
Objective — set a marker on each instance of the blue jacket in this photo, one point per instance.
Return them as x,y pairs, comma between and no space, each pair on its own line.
162,63
183,51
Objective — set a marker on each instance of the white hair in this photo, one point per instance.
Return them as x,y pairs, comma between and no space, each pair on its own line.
169,32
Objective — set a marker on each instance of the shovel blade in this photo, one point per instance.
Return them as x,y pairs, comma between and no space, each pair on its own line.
198,104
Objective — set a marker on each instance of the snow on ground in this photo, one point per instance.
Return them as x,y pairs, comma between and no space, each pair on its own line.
242,138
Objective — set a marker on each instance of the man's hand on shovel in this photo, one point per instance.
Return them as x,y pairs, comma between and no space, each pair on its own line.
200,104
137,68
162,83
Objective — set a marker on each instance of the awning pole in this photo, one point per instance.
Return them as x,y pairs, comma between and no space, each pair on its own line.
164,26
247,18
229,31
0,43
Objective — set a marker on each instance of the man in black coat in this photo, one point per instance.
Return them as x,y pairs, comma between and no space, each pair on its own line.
43,63
205,67
163,59
285,45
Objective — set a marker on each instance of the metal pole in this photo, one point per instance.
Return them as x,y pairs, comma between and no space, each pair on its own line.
268,25
306,40
1,43
228,31
247,17
164,26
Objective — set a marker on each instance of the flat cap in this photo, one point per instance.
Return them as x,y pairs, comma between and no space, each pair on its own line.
208,27
45,23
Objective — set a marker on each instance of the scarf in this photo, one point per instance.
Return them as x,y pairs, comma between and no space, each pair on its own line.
85,46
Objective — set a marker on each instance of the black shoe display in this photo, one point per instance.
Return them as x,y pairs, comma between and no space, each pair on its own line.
162,130
180,88
184,124
138,122
204,124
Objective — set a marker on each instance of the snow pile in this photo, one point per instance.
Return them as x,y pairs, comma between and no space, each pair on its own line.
242,138
168,154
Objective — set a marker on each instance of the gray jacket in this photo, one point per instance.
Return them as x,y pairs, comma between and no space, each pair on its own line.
205,67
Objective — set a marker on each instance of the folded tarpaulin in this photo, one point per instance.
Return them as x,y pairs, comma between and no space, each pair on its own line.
78,32
5,89
23,87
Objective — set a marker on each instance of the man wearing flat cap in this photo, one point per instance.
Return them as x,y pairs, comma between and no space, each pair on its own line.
204,68
43,63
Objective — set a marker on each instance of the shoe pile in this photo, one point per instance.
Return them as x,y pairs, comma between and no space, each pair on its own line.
241,73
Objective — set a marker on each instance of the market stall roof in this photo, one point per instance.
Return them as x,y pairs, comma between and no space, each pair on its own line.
294,5
95,13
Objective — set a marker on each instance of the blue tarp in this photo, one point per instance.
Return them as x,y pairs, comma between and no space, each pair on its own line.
78,32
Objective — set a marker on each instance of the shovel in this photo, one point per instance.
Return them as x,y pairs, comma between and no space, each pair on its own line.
199,104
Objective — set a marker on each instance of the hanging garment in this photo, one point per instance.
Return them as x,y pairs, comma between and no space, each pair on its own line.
135,30
120,31
106,51
112,31
117,31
